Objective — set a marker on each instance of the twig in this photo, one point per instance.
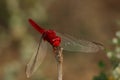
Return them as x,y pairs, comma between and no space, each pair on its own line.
59,58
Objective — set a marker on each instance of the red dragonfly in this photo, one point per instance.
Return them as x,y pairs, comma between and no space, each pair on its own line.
67,42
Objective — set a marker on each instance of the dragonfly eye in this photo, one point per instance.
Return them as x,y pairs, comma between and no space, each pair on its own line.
56,41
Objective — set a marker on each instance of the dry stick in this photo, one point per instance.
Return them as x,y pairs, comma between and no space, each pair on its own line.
59,58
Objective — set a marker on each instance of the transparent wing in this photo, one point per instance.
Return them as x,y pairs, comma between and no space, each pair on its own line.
37,58
72,44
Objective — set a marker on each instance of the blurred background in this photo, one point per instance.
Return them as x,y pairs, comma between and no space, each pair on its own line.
97,21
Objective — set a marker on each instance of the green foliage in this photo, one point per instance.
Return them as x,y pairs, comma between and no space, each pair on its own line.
101,76
101,64
114,56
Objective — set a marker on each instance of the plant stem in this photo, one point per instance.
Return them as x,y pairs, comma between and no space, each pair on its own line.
59,58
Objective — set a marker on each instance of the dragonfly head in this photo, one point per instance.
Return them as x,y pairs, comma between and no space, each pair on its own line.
56,41
51,37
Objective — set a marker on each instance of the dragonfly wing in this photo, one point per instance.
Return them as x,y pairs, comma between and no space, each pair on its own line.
37,57
72,44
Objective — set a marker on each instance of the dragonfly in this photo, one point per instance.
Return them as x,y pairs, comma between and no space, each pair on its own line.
56,39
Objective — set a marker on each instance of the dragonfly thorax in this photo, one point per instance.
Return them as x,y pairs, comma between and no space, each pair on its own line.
52,38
